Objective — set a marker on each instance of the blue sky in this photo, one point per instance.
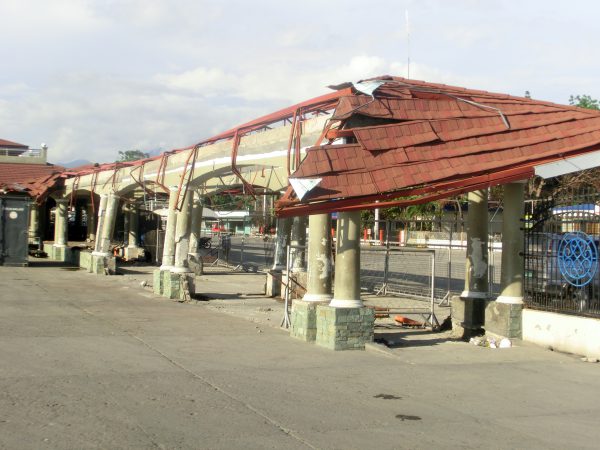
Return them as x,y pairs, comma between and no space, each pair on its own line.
93,77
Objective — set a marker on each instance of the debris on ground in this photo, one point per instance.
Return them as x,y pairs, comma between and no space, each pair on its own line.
406,322
483,341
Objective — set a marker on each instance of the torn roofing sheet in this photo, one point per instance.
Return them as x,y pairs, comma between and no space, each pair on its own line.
36,180
411,142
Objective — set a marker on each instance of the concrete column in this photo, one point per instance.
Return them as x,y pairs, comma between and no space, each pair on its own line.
34,223
61,223
476,269
168,258
91,223
347,265
298,237
132,229
196,230
318,288
182,234
105,234
101,218
511,278
284,226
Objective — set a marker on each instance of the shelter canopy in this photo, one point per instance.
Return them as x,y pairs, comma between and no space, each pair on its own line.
410,142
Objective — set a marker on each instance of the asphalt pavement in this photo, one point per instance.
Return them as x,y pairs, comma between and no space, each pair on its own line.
100,362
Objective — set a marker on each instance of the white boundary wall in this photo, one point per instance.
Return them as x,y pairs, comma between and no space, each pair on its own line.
571,334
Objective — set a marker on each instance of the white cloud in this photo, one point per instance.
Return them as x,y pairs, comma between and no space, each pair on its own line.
42,18
93,77
202,80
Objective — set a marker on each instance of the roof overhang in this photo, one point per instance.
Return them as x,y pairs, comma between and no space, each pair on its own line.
568,165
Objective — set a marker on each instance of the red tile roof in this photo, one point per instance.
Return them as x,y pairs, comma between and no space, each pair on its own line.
33,179
442,139
8,144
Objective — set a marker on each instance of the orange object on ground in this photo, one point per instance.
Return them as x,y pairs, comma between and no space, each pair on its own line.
406,321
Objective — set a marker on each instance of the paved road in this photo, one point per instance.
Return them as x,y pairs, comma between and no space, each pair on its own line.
96,362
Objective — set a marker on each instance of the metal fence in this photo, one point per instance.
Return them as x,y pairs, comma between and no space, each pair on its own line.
562,236
401,265
250,254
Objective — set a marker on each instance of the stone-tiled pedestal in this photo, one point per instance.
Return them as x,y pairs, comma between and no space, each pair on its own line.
344,328
304,320
170,284
504,319
103,265
157,281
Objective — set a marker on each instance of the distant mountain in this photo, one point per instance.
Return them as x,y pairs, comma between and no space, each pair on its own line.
75,163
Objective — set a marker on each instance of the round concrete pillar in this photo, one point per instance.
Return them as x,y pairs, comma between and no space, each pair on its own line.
298,239
91,222
196,230
108,225
318,288
347,263
476,267
168,258
61,222
132,226
182,234
511,278
284,226
34,223
101,220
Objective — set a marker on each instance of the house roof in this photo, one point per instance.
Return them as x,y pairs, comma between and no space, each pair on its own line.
33,179
9,144
414,141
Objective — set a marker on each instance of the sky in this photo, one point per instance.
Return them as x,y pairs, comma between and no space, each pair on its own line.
91,78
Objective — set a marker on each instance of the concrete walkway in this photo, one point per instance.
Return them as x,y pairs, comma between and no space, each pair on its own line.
99,362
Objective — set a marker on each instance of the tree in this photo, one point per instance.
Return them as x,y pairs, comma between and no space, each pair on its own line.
132,155
584,101
589,178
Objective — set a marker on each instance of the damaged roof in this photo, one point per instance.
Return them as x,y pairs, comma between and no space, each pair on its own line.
34,180
411,142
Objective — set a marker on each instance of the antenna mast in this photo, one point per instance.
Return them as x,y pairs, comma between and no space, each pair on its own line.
408,45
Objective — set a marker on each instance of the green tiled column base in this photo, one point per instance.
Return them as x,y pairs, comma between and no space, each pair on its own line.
504,319
61,254
344,328
98,265
103,265
171,287
85,261
157,281
304,320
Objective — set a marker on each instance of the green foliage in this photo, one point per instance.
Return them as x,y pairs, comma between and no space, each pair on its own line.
367,218
132,155
229,202
584,101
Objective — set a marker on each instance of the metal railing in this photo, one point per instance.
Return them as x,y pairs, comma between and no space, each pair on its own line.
23,153
561,252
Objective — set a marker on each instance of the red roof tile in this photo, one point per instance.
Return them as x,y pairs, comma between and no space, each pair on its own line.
35,179
444,136
9,144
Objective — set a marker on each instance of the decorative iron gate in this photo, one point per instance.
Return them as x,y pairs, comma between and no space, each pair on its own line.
562,236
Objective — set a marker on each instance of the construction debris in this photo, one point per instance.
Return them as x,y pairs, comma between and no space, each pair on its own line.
483,341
